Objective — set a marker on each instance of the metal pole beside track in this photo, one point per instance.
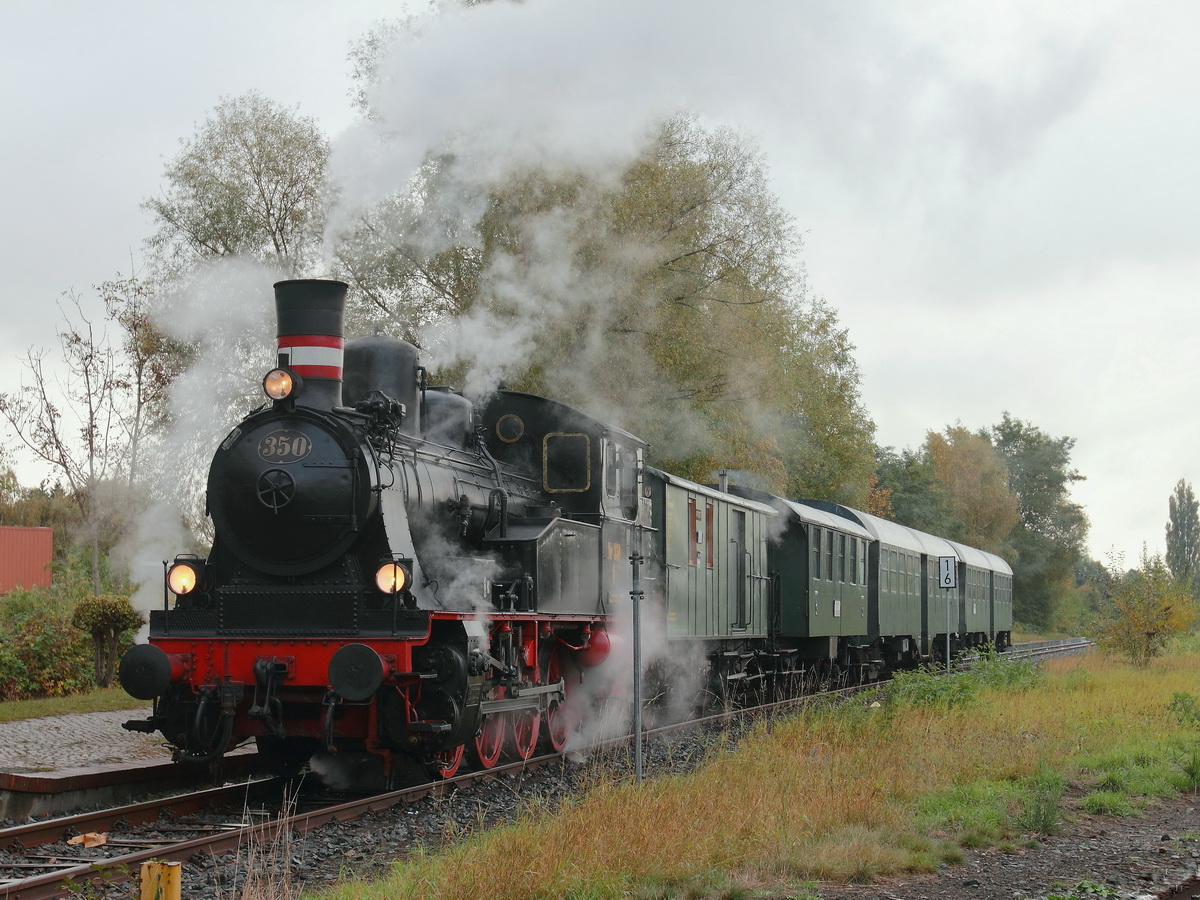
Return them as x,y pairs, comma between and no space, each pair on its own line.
948,629
635,594
948,581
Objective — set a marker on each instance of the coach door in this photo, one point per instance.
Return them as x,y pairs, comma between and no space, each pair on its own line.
740,569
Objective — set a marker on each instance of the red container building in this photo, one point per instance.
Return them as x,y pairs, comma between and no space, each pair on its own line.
25,555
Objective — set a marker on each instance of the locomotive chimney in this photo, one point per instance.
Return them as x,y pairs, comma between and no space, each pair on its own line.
309,314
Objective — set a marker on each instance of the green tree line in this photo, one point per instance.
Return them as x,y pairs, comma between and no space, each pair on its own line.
1004,489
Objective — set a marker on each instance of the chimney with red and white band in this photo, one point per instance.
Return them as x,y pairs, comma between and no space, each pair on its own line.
310,314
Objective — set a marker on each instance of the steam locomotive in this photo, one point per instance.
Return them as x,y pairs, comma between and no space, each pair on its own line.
402,577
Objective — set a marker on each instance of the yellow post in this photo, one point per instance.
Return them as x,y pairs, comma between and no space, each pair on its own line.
161,880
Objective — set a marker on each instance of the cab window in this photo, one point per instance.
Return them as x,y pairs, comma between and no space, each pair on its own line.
566,463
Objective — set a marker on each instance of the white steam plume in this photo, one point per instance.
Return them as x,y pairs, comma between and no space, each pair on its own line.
576,85
224,311
568,86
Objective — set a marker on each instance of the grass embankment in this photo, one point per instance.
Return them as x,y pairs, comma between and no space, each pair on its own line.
98,700
849,792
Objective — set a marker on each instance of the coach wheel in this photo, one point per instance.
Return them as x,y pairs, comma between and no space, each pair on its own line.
525,727
446,762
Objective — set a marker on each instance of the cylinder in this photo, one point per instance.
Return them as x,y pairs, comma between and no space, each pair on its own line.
310,315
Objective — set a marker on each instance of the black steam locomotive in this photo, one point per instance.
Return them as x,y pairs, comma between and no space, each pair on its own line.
401,576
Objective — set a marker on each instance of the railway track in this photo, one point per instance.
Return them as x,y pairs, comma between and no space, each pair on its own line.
37,862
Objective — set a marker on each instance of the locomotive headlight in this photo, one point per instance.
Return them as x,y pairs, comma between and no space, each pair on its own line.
279,384
184,576
392,577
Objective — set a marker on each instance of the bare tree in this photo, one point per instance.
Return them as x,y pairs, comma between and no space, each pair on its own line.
70,421
147,365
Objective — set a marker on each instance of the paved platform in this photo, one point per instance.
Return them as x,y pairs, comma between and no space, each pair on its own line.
58,763
52,743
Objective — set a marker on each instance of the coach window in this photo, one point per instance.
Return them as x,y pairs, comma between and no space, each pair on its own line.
829,556
708,533
815,538
852,549
693,535
842,558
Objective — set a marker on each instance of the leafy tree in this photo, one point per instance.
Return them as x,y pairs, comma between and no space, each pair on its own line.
879,498
1049,537
107,619
43,506
1183,535
1146,608
917,496
249,182
975,480
668,301
666,298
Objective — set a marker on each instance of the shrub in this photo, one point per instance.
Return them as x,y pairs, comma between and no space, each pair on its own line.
1147,607
42,655
107,619
931,688
1185,708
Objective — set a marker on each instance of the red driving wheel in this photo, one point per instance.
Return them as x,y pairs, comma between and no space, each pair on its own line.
490,740
525,727
446,762
558,726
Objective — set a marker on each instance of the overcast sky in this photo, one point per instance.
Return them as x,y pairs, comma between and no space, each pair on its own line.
998,198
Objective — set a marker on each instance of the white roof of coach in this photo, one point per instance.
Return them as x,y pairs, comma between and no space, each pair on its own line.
825,519
896,535
981,559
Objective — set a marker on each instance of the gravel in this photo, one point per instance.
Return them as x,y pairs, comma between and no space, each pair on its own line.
1149,856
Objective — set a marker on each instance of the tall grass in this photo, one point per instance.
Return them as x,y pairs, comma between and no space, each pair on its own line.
841,793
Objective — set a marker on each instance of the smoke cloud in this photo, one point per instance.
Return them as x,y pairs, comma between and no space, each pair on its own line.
577,85
503,88
215,312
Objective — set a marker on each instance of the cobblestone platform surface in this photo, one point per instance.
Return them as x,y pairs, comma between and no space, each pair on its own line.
83,739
